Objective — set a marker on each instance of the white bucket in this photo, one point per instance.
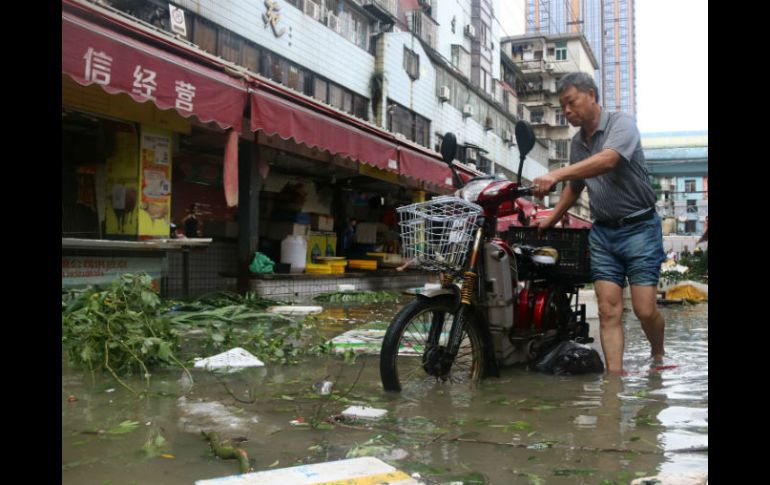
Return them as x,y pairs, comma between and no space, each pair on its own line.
294,252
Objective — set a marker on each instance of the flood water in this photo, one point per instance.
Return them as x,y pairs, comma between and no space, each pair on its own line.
523,427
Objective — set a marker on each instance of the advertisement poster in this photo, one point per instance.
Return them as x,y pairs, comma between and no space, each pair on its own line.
155,173
78,271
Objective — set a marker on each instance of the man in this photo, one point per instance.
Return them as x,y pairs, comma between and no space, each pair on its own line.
626,239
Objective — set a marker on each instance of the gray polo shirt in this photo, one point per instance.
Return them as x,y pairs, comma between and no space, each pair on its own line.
625,189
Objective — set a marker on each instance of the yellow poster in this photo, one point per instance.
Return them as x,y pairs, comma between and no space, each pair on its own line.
155,176
122,176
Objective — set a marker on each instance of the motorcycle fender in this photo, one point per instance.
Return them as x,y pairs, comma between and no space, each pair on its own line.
537,314
434,292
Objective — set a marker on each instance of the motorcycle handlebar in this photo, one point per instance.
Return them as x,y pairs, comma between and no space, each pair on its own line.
530,190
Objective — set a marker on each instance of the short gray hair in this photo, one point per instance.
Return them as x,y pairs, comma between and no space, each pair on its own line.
582,81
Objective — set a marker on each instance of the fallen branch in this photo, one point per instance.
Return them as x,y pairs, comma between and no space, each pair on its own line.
226,451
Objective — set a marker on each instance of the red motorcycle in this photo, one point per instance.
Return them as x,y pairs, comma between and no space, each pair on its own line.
501,300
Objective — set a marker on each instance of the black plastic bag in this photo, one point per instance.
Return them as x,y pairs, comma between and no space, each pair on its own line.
569,358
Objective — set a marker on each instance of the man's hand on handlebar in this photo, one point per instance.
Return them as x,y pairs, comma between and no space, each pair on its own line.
544,184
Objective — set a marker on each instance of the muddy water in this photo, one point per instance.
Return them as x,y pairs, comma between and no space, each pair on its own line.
520,428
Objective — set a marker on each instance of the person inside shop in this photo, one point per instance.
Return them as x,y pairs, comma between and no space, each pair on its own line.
349,236
191,223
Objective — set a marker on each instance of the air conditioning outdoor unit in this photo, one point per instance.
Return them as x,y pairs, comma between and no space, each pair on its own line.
507,136
470,31
467,110
443,93
470,155
549,66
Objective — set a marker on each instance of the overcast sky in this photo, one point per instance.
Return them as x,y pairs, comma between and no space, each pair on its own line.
672,61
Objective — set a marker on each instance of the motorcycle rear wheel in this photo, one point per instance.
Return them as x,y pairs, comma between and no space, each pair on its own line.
417,337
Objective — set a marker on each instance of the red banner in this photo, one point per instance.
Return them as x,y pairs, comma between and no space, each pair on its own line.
92,54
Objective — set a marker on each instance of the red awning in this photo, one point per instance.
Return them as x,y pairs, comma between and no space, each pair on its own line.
422,167
275,115
92,54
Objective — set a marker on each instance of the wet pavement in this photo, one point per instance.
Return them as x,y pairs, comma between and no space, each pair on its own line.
523,427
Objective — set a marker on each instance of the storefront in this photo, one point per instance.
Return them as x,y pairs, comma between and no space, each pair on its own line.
155,130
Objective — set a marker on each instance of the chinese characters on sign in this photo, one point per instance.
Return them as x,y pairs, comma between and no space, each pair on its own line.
272,17
94,270
98,70
98,66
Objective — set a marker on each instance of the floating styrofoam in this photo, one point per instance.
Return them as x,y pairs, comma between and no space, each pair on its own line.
364,470
364,412
295,309
234,360
346,287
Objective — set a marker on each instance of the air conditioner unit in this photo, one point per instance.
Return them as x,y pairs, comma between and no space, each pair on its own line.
312,9
549,66
470,154
470,31
507,136
443,93
467,110
562,165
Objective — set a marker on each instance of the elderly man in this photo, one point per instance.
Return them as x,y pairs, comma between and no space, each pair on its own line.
626,239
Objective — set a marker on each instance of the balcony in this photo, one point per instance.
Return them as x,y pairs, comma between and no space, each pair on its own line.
385,10
531,66
423,25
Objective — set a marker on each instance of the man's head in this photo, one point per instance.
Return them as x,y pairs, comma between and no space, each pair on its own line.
579,97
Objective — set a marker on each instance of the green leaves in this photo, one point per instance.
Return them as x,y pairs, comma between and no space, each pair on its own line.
119,329
123,428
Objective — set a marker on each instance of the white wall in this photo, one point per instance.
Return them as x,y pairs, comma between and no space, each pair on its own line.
444,11
418,95
306,41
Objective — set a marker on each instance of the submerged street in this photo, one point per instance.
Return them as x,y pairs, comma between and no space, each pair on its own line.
523,427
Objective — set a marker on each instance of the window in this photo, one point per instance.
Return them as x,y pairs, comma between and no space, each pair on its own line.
205,35
335,96
536,115
689,186
411,63
410,124
692,208
320,90
230,46
562,149
560,119
689,227
561,51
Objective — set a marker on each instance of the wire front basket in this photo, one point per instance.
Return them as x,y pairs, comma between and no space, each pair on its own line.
436,235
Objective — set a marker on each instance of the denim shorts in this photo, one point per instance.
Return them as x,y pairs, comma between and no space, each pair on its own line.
634,251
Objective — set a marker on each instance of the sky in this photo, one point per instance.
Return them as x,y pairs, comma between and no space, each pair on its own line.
671,63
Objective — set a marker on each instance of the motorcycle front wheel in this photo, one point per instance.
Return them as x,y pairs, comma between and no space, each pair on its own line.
414,352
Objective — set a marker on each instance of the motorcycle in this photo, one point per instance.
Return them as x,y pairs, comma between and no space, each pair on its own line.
497,304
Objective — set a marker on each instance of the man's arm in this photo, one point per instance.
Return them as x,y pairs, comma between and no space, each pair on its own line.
567,199
596,164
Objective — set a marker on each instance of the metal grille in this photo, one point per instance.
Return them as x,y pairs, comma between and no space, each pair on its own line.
437,234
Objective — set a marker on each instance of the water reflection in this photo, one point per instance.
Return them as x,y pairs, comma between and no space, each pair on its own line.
523,427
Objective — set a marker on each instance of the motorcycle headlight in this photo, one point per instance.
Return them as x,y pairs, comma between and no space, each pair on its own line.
471,191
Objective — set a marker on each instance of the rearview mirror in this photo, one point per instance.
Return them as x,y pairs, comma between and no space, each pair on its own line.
525,137
449,148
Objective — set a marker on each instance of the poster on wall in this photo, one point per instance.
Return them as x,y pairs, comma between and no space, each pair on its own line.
155,173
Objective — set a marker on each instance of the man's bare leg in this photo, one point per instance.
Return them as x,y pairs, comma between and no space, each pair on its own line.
644,299
609,297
